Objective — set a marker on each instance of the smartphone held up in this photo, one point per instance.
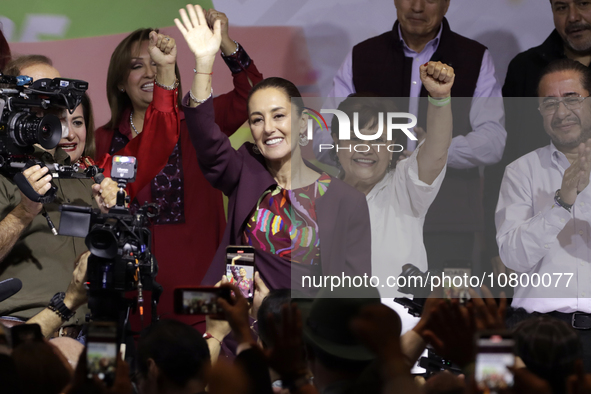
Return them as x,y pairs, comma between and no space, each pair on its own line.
240,269
101,352
495,354
199,300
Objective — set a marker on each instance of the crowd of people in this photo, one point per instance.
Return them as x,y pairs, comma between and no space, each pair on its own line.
489,178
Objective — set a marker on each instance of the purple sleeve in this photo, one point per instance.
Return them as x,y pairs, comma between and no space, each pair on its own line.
221,164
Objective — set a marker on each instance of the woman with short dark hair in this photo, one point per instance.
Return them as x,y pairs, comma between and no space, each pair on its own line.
398,195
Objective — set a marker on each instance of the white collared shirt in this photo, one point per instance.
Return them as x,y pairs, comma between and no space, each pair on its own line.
541,239
483,145
397,208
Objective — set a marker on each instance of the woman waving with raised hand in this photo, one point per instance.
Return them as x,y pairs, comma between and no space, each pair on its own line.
300,221
144,103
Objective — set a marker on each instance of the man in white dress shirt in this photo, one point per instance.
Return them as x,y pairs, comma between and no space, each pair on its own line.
543,216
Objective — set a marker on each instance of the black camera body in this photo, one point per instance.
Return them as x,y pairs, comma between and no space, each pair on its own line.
20,126
120,261
119,243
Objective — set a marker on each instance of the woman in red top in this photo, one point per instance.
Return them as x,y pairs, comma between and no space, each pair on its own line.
191,223
78,127
79,142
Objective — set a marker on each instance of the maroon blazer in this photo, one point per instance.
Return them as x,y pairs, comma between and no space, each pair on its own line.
342,212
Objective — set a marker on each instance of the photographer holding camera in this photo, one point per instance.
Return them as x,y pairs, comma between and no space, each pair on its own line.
28,249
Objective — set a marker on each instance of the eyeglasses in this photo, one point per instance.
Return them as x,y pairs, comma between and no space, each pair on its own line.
572,103
564,8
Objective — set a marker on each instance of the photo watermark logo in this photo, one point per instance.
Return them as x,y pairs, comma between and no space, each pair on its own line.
345,129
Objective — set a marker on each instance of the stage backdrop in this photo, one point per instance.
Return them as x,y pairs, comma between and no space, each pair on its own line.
303,40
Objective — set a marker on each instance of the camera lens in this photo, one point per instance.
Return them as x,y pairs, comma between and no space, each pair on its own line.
28,129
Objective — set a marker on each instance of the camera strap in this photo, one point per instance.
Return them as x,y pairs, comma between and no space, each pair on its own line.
23,184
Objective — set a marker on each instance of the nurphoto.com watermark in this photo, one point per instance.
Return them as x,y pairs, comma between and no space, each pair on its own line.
514,280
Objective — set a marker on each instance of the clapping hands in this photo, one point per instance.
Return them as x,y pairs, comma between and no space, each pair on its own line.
576,177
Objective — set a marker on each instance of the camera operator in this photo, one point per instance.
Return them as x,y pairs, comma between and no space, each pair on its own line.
28,249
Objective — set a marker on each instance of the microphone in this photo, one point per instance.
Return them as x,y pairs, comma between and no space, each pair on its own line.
9,287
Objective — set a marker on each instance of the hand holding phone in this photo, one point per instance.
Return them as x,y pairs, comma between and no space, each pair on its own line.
199,300
240,269
456,275
495,354
235,310
101,351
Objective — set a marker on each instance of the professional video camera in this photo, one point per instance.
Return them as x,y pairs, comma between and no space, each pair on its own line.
21,127
20,100
420,291
453,280
119,243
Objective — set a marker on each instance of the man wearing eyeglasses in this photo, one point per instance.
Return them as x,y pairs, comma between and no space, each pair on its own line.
570,39
543,216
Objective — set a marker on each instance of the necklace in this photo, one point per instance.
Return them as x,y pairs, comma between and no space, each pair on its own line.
132,125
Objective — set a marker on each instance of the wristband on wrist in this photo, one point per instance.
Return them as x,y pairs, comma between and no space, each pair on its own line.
561,203
174,85
440,102
200,101
57,305
233,53
197,72
238,61
207,336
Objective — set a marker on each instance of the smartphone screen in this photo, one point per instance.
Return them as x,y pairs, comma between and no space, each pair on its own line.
456,279
495,354
456,286
101,352
240,268
198,300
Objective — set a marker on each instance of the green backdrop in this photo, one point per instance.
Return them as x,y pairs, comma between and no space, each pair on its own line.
92,18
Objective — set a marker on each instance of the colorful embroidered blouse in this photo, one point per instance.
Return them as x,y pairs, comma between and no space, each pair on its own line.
284,223
245,284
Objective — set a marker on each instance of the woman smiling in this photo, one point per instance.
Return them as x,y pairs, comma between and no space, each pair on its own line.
398,195
299,220
191,211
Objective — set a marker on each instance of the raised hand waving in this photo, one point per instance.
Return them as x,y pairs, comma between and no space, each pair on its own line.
203,42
